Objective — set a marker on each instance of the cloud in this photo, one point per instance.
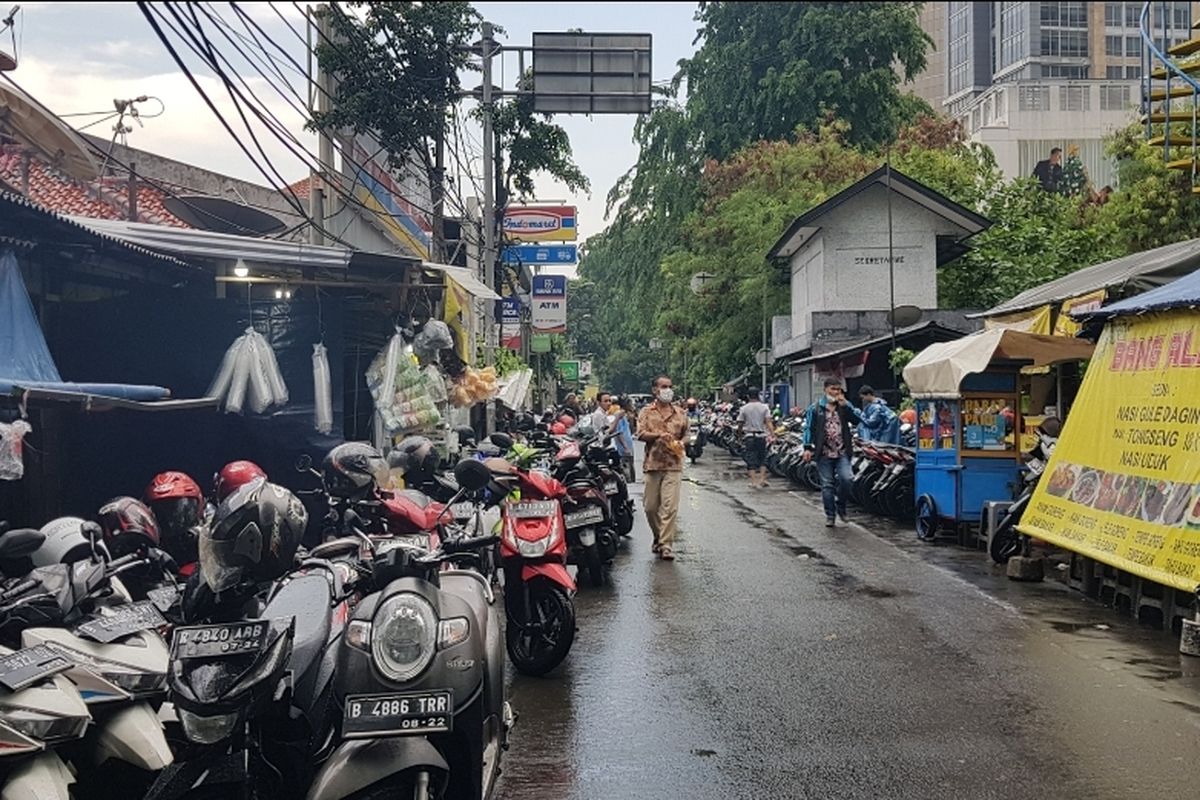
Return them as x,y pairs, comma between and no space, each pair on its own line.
120,48
187,130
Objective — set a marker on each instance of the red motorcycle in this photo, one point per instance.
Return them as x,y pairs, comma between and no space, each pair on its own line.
537,586
591,535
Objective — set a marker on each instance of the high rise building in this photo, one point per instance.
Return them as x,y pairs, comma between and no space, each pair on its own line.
1027,76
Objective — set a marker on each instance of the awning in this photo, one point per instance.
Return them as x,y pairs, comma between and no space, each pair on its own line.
1141,271
928,328
1183,293
938,370
191,243
464,278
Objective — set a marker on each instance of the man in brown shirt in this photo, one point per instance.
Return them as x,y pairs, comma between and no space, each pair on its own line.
662,426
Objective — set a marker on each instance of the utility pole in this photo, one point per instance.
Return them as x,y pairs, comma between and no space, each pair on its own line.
316,185
437,187
891,272
133,192
487,48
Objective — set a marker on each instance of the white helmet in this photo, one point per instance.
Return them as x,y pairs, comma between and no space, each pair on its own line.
65,542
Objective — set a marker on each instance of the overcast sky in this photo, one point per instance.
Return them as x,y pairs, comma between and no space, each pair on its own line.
77,57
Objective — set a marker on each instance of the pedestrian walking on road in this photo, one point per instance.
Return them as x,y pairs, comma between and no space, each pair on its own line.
754,421
662,426
623,437
600,414
829,437
879,423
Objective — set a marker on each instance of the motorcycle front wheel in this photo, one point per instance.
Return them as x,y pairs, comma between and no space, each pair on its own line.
540,643
407,786
1006,541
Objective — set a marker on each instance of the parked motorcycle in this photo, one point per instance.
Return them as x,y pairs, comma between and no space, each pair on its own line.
537,586
420,674
1007,541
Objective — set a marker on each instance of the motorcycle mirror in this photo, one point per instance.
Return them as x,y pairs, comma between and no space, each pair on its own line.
473,475
304,463
20,542
502,440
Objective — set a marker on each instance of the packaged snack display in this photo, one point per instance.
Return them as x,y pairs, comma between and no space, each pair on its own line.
403,393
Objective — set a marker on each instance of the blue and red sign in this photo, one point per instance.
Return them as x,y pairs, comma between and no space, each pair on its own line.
540,223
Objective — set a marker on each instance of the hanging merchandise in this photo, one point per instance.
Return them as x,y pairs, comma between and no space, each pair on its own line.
434,337
12,468
404,395
322,389
249,373
474,386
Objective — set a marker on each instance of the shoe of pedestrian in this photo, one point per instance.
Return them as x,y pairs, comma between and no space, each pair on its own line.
842,516
656,548
829,523
667,554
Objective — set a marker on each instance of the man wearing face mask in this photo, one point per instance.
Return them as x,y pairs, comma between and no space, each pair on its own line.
829,437
662,426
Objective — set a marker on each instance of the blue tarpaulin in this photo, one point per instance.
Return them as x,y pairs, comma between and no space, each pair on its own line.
1181,293
23,351
25,360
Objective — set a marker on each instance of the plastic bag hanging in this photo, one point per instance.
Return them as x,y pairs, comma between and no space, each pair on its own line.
249,373
12,436
322,389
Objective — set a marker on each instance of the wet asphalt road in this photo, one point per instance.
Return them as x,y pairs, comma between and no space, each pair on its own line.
777,659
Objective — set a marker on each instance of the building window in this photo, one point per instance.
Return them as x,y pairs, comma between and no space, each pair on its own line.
1133,46
1182,19
1074,98
1112,15
1114,98
959,41
1133,72
1059,42
1133,12
1113,45
1033,98
1114,73
1060,71
1013,23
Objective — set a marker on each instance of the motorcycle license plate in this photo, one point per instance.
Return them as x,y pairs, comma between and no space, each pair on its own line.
462,510
218,641
30,665
610,488
532,508
586,516
405,714
124,621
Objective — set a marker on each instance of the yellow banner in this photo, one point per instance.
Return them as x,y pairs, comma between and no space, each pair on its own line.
1035,320
1064,325
1123,486
455,315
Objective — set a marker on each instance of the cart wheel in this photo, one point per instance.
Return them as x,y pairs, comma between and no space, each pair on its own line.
927,518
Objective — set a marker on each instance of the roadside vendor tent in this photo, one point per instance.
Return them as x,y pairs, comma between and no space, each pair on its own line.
938,370
1123,486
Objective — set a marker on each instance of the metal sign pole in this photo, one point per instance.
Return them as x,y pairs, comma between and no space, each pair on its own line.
487,49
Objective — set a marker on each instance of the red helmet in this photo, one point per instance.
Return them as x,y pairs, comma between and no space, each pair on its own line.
178,505
558,429
235,475
128,525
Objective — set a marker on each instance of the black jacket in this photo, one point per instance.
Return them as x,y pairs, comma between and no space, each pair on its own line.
814,428
1049,175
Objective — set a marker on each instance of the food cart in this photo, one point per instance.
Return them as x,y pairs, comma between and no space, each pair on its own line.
970,422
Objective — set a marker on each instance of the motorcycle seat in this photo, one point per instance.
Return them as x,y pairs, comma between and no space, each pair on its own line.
418,498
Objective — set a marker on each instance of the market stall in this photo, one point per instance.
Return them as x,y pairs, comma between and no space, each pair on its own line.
973,417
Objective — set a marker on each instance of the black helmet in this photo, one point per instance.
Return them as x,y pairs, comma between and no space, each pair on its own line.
128,525
416,459
254,536
466,434
354,470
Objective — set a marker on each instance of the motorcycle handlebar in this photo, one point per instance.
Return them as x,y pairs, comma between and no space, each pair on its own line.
467,545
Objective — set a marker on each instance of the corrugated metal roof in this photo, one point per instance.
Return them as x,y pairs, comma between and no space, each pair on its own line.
464,278
1183,293
17,200
1140,271
191,243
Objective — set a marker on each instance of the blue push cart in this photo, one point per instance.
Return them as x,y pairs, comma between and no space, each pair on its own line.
969,421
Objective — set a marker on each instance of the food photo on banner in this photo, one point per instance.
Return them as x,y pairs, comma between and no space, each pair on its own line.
1123,484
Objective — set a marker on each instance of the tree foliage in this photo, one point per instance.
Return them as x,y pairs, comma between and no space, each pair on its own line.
534,144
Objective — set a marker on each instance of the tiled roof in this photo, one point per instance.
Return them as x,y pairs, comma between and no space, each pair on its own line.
300,188
107,198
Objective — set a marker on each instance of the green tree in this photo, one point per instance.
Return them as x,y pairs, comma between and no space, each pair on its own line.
763,69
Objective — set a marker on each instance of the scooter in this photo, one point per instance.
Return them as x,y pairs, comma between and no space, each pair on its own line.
587,519
420,674
537,586
1007,541
694,446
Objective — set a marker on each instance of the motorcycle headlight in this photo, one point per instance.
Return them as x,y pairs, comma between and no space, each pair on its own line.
533,549
43,727
404,636
207,730
137,683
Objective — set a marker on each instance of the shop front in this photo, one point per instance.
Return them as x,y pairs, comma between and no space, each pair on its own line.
976,415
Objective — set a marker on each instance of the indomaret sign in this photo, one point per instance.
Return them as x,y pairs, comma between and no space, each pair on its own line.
540,223
549,304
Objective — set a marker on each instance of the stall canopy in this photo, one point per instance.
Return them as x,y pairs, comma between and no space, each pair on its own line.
938,370
1139,272
1183,293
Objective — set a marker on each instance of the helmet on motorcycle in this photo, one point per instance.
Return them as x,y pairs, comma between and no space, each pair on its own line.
691,402
233,476
558,429
65,542
566,420
466,434
354,470
178,505
908,416
254,536
415,459
128,525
